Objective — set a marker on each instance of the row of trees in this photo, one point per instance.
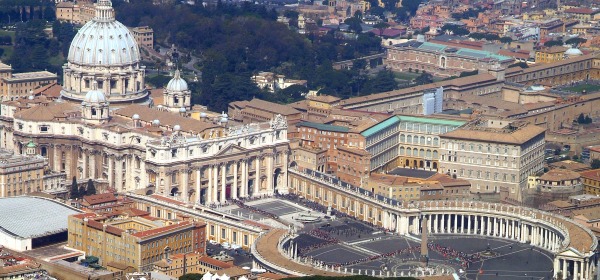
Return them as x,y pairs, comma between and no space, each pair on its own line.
79,191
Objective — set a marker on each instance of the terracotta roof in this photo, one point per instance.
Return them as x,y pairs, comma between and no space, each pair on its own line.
586,11
99,198
475,79
390,180
593,174
160,230
257,224
52,111
271,107
545,66
234,271
592,213
560,203
50,90
324,98
217,263
166,199
271,275
118,265
353,150
169,119
517,137
559,175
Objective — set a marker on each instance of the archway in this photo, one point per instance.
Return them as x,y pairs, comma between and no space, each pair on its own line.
435,165
149,192
276,179
421,164
175,191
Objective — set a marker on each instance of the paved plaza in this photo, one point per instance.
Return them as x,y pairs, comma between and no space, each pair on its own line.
359,247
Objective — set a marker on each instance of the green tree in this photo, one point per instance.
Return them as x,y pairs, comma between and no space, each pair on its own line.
575,41
91,189
191,276
506,40
588,120
354,24
595,163
74,189
455,29
581,119
81,191
519,64
552,43
424,78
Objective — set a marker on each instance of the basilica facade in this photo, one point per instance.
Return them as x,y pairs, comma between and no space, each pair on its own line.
136,146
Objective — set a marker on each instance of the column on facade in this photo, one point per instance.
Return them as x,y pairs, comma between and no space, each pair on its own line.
186,184
244,178
223,181
575,270
198,185
234,191
584,269
56,153
110,172
215,186
269,170
488,225
84,171
92,171
119,174
209,189
257,180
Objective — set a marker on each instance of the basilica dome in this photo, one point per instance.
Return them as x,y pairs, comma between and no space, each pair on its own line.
177,83
105,53
104,41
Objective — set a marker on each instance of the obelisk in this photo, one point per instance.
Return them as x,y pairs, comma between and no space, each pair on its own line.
424,250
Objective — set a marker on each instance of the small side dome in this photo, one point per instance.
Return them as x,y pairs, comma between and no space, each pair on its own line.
95,95
203,115
177,83
155,122
571,52
224,120
135,117
176,127
182,110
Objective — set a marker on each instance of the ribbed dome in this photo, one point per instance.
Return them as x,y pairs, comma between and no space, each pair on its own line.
103,41
177,83
95,95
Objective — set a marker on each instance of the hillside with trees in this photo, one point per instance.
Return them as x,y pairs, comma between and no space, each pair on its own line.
234,42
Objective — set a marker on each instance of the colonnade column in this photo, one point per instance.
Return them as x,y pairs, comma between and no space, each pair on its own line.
442,225
468,224
455,223
575,270
564,269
